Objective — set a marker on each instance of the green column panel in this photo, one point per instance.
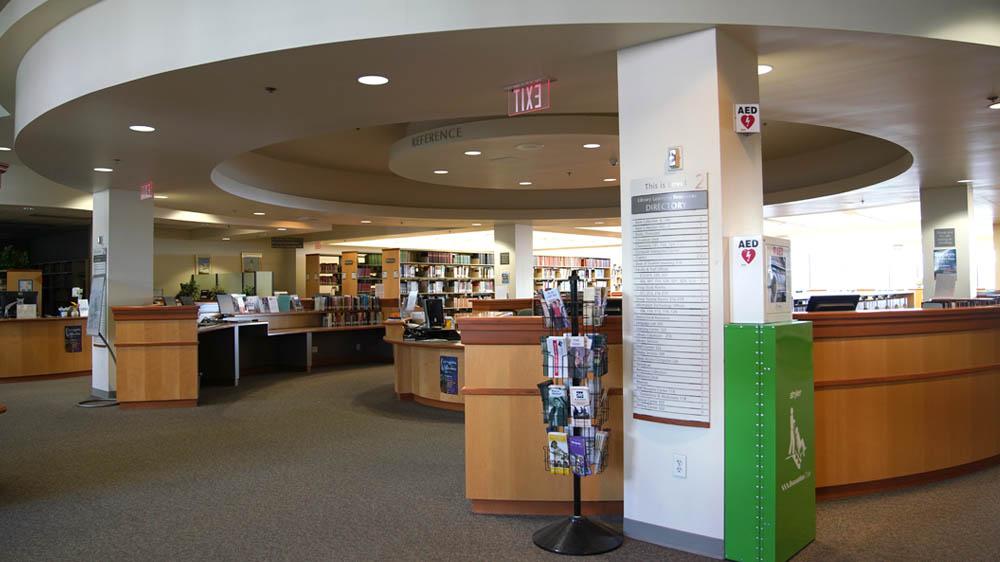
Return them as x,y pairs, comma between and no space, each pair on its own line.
770,498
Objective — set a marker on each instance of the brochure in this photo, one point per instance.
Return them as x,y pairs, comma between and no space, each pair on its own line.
558,453
578,455
579,401
558,406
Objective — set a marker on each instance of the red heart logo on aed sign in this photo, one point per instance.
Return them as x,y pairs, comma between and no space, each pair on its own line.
747,121
748,255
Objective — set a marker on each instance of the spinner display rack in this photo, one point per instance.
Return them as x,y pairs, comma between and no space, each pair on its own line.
575,535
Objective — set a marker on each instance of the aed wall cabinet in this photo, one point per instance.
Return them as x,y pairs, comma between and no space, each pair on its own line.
770,475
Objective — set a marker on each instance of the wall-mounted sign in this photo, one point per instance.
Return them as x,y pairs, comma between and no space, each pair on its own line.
504,258
944,237
437,135
746,118
675,159
390,260
529,97
146,191
288,242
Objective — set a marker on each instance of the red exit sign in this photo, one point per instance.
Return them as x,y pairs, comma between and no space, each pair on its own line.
528,97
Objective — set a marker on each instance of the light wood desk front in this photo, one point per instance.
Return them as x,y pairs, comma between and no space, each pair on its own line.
904,396
505,438
36,347
418,369
157,355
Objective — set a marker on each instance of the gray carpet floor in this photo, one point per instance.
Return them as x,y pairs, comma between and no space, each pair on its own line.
329,466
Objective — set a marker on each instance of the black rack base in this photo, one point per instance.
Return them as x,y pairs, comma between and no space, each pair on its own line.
577,536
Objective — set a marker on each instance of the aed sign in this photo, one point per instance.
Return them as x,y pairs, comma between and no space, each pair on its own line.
529,97
746,117
748,250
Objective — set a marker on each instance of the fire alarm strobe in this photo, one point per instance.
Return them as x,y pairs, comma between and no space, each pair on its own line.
746,118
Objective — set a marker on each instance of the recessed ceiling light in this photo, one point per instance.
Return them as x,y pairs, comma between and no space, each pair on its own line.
4,149
598,222
259,213
610,179
366,221
524,183
105,170
477,224
529,146
373,80
160,197
994,102
225,238
763,69
141,128
440,172
473,152
964,181
281,228
591,145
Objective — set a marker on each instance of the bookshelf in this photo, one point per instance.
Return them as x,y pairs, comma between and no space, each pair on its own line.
362,272
458,277
554,271
323,274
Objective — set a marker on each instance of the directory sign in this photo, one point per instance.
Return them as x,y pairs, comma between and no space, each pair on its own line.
670,320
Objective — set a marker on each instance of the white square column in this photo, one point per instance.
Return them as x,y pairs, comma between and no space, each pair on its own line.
123,226
946,224
515,241
680,92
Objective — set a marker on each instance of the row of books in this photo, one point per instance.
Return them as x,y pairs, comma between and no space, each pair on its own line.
419,256
563,273
574,357
329,268
347,302
368,271
581,455
374,260
560,261
362,310
444,286
445,271
564,286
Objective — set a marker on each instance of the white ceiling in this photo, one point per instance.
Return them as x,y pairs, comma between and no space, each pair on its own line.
925,96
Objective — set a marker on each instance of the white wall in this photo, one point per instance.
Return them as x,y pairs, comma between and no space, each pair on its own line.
174,261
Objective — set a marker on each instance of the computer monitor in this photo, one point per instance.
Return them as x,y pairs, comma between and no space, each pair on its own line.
27,297
227,304
434,312
832,303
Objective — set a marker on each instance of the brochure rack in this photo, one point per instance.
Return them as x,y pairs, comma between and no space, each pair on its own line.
575,408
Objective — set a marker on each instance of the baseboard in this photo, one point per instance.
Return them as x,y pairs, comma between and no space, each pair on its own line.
439,404
861,488
526,507
672,538
52,376
158,404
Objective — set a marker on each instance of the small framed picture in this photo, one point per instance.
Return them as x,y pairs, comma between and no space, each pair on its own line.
252,261
203,265
25,285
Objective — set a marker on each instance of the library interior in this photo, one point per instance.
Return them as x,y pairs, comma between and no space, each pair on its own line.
647,281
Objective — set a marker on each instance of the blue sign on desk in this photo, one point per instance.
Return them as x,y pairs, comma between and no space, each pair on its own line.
449,374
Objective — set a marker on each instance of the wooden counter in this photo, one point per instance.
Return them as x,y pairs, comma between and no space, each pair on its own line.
36,347
904,396
505,437
418,369
157,355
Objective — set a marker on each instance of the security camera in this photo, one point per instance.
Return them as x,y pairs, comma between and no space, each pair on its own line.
613,161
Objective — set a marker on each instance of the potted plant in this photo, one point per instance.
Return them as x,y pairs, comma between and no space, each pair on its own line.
189,289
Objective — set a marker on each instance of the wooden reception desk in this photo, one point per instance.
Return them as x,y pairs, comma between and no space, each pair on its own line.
904,396
37,348
157,355
418,369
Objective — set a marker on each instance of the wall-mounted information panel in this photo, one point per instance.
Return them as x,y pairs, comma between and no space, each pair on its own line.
670,320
